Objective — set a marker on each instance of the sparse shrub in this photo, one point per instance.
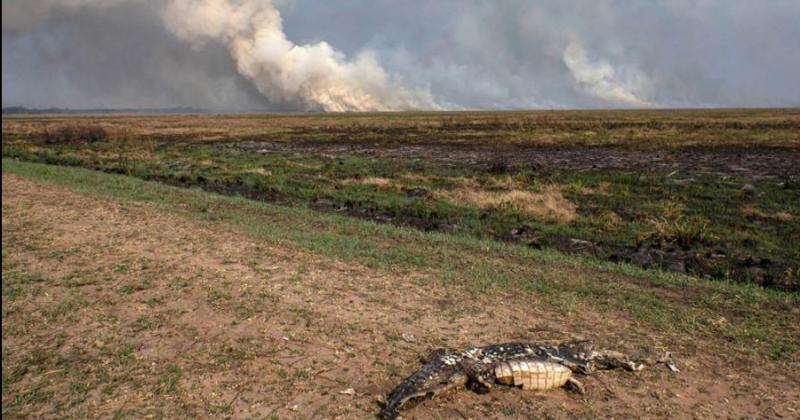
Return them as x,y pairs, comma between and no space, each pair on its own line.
683,231
609,221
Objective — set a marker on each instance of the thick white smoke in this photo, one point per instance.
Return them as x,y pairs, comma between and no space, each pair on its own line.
599,78
313,76
470,54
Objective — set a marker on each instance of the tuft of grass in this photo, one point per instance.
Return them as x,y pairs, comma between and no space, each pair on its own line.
143,323
134,286
168,381
684,231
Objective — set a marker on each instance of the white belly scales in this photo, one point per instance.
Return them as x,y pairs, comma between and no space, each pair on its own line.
537,376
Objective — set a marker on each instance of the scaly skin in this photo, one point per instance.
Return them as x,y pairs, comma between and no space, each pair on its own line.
434,378
476,367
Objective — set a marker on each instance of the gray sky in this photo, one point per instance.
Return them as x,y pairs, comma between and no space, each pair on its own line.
400,54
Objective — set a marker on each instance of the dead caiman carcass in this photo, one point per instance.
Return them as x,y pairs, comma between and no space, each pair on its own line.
527,365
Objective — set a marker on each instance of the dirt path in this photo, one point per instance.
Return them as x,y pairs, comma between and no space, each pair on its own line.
120,308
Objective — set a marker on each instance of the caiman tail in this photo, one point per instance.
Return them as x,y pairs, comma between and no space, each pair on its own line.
434,378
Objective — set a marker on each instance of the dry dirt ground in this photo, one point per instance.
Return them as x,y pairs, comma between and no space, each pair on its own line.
129,310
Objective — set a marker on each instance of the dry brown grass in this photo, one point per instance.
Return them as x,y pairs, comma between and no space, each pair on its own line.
685,231
383,184
420,178
548,203
303,165
751,212
602,189
609,220
506,183
259,171
72,132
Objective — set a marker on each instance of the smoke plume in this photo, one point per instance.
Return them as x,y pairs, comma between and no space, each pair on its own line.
313,76
599,78
373,55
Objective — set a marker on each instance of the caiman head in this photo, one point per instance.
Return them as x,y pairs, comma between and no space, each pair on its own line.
583,357
435,377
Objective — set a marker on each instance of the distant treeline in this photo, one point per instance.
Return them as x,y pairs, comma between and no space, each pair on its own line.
178,110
